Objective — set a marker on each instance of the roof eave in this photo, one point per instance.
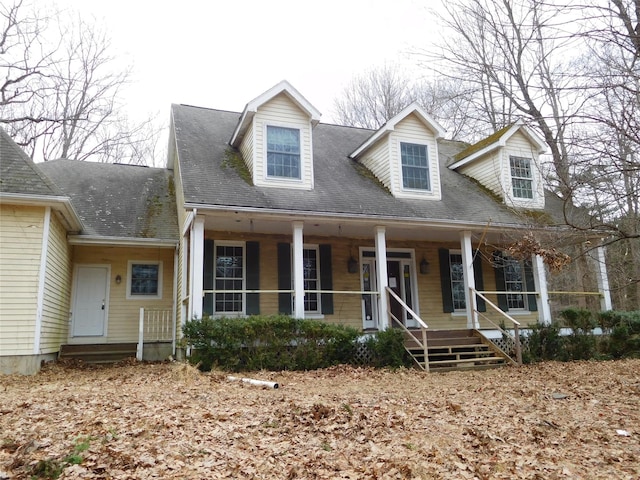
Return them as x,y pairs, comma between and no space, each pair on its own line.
122,241
59,203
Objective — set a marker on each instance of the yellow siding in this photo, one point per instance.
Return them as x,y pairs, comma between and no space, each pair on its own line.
57,289
123,313
21,230
282,111
348,307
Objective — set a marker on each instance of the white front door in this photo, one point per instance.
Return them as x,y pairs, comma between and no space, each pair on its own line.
401,279
90,301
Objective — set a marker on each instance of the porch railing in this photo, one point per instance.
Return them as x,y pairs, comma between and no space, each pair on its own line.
155,325
422,342
516,325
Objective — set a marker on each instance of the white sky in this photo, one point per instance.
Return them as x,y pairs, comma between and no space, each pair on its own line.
222,54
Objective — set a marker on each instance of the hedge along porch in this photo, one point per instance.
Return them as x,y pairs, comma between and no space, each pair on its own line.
254,272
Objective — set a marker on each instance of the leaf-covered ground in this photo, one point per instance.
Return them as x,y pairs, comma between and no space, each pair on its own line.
138,421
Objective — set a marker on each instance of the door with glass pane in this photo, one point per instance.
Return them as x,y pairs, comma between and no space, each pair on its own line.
369,301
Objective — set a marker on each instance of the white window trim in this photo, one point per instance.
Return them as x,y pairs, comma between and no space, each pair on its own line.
284,181
397,179
525,309
227,243
429,168
317,314
461,311
536,181
533,183
130,265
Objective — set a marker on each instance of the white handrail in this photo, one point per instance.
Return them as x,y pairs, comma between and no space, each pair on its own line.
156,325
407,308
516,324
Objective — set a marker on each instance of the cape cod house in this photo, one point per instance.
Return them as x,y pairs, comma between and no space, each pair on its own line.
269,211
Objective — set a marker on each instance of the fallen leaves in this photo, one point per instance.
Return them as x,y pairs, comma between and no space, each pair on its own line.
138,421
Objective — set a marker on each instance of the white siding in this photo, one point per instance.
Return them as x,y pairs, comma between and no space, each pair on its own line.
377,160
519,146
57,290
488,172
20,250
247,150
281,111
412,130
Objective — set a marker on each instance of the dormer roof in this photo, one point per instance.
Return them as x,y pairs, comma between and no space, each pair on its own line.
252,107
390,126
497,140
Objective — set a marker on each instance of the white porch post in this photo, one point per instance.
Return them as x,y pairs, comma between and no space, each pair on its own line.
540,281
197,271
603,280
383,280
469,279
298,270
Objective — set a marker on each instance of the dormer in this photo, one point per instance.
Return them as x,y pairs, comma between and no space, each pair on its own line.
274,137
403,154
508,164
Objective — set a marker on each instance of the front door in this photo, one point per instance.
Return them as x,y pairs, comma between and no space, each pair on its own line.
400,278
90,301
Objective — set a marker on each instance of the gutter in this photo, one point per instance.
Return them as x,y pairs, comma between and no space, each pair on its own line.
120,241
61,204
363,218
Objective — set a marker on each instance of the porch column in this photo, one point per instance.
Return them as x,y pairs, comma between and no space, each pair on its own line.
383,280
298,271
603,280
540,281
197,271
469,279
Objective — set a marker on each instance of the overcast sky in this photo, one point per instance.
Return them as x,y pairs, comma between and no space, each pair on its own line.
222,54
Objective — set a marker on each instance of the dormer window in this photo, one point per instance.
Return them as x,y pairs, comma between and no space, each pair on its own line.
283,152
521,177
415,166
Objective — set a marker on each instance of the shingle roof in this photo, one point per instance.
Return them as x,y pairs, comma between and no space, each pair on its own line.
202,137
19,174
116,200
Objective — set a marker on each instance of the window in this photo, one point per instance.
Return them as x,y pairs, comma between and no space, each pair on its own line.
229,277
415,166
457,281
521,178
283,152
311,280
515,283
144,280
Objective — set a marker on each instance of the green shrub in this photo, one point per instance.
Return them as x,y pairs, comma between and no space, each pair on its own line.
276,342
387,349
544,343
624,333
581,343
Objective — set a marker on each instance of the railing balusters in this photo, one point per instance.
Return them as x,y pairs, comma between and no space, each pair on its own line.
155,325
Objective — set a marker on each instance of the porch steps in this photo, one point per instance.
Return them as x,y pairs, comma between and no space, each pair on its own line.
456,350
98,353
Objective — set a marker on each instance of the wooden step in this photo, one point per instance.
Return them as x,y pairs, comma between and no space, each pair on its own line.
98,353
483,360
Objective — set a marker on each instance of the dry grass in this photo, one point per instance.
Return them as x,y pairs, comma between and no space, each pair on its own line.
135,421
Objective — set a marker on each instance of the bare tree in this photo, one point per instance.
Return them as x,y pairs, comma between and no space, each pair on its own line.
61,93
380,93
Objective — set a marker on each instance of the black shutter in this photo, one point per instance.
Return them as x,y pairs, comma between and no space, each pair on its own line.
445,280
477,275
284,278
498,263
530,285
252,254
326,279
208,277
